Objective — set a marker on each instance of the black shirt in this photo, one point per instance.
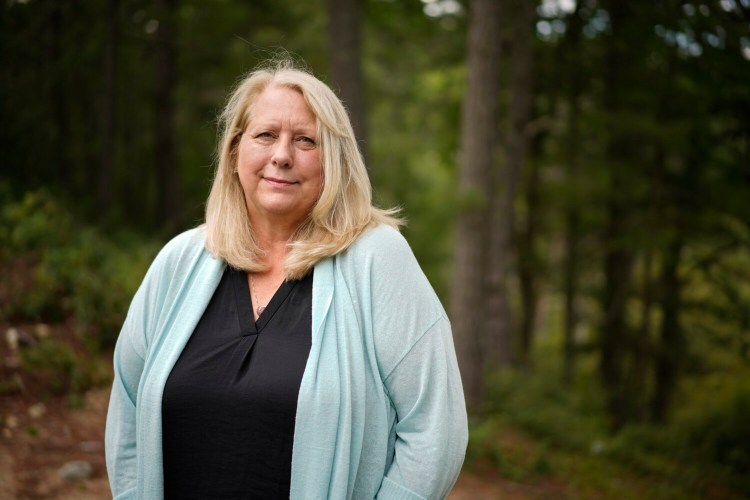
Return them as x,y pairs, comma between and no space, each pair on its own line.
229,404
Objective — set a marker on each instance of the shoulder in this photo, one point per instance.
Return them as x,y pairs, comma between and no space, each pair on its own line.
380,242
382,262
177,260
393,295
192,240
183,247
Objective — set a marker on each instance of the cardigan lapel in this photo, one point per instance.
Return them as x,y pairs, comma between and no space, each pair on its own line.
196,289
322,296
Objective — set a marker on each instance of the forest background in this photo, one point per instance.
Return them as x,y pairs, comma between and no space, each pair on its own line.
575,175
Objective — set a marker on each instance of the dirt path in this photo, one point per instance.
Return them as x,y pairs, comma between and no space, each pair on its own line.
38,439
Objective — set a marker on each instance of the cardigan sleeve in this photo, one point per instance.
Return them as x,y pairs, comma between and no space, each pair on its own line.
431,427
131,352
417,363
120,435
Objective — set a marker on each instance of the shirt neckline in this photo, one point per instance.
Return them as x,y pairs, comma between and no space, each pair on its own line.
243,300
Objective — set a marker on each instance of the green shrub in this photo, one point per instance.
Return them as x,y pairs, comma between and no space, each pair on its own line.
68,270
515,456
539,404
54,365
719,431
57,369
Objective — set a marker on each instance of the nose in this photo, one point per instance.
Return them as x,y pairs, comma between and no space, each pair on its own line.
282,154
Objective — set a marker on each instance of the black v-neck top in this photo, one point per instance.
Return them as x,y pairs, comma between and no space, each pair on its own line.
229,404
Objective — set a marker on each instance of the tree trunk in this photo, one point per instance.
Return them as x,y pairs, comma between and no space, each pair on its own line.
637,374
527,260
345,51
479,131
505,185
671,339
572,216
166,153
107,164
618,258
60,142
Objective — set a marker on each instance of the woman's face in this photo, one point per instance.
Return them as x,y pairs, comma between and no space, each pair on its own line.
278,159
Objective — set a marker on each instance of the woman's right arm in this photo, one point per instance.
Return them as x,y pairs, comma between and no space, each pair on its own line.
131,350
120,435
157,290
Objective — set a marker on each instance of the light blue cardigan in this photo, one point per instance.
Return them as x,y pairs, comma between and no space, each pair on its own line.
380,412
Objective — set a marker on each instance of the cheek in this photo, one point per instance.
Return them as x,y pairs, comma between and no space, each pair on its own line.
314,167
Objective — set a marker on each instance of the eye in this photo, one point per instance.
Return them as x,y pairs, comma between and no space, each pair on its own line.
306,141
264,135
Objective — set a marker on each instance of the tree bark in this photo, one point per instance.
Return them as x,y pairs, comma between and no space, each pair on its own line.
671,348
62,172
528,267
479,132
572,216
505,186
618,258
107,164
166,153
345,51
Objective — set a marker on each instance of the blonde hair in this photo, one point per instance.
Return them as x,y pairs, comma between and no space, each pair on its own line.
344,207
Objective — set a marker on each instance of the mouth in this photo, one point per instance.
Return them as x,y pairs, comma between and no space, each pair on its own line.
274,181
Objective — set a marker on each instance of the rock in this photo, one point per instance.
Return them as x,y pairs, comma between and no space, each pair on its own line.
11,338
76,470
598,447
42,330
37,410
15,338
11,422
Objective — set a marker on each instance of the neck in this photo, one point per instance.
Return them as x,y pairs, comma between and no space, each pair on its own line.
273,239
271,233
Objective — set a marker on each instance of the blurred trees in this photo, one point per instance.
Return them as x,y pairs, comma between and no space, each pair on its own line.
345,53
630,139
640,127
581,168
112,104
479,132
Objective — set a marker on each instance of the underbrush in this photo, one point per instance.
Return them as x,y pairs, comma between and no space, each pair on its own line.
56,268
533,427
65,290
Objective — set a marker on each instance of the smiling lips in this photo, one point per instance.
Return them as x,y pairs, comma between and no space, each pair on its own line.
278,182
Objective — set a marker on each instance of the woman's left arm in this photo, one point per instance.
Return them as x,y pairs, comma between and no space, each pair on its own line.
417,364
431,429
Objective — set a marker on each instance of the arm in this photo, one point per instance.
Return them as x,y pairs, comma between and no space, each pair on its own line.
120,435
431,429
120,438
418,367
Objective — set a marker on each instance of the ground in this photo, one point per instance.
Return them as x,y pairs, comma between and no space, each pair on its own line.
34,446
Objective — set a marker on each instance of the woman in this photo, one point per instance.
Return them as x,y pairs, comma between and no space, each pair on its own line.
291,346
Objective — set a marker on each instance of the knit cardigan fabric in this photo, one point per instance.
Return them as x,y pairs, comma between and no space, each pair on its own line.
380,411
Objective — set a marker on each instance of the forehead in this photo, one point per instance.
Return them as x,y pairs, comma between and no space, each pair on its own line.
277,103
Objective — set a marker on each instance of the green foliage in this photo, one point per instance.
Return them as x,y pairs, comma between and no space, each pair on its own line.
714,425
564,418
58,369
533,426
59,269
515,456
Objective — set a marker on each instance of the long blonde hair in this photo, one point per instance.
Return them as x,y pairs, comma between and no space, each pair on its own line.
344,208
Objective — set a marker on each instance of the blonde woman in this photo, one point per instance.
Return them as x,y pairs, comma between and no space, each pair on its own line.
291,347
